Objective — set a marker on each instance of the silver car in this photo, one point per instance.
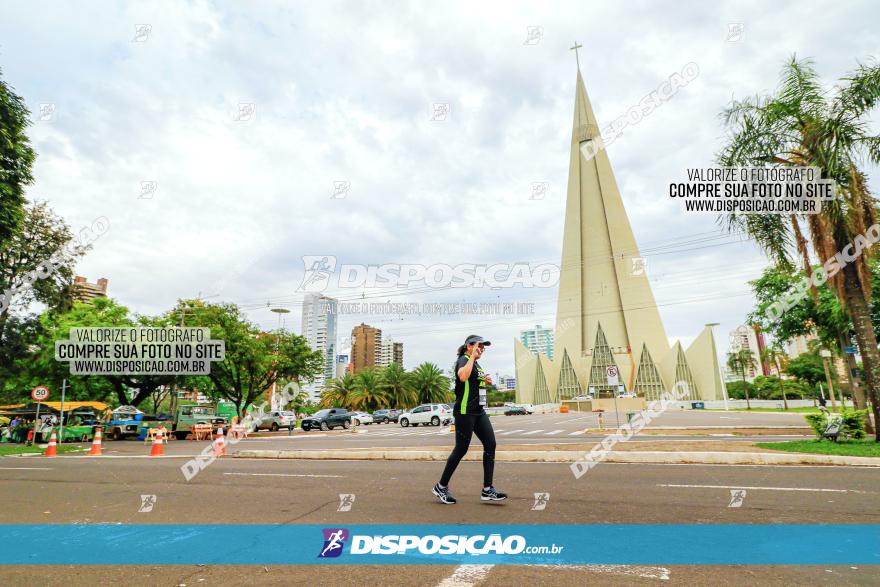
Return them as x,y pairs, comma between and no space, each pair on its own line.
275,420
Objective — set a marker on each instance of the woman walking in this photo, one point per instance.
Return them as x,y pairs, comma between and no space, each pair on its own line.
470,419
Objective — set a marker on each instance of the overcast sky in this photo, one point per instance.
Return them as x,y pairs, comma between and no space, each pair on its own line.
345,92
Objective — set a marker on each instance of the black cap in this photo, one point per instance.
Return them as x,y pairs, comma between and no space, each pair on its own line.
476,339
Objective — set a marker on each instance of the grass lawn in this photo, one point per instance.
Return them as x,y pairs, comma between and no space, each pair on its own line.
20,449
852,448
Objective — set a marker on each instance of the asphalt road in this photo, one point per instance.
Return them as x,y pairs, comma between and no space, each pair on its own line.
108,490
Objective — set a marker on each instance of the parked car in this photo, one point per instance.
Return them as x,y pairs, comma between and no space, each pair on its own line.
515,411
626,395
327,419
189,415
385,416
433,414
275,420
358,418
582,398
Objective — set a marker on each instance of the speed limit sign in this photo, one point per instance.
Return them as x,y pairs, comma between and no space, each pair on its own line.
612,374
39,393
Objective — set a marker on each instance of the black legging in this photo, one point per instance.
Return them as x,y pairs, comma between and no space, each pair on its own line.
466,425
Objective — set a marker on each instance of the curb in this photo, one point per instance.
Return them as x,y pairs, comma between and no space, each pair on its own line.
558,456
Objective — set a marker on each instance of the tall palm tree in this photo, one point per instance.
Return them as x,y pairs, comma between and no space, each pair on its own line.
338,392
368,394
397,386
804,125
430,385
739,361
772,354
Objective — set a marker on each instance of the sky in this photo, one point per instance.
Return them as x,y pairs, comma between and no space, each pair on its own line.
223,142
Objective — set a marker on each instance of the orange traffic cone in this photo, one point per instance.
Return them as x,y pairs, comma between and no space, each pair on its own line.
158,446
220,443
96,443
51,451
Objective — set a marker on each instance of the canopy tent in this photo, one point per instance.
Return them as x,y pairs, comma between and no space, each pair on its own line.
50,407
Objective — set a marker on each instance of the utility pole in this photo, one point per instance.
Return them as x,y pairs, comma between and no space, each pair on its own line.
826,355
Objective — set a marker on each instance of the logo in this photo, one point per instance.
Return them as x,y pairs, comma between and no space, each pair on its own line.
541,500
639,264
318,269
148,190
737,496
534,34
147,503
346,500
735,31
334,541
341,187
539,190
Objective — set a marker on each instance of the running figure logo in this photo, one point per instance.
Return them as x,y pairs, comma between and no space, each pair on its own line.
737,496
346,500
334,541
318,269
541,500
147,503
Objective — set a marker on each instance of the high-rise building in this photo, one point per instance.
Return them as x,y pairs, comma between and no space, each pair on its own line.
342,363
390,351
83,291
538,340
366,343
747,338
606,315
798,345
319,328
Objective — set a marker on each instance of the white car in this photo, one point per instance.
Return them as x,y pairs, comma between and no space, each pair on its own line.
626,395
433,414
582,398
529,408
358,418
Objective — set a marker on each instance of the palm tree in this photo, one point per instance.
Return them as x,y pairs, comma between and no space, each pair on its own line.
397,386
772,354
429,384
338,392
803,125
740,361
368,394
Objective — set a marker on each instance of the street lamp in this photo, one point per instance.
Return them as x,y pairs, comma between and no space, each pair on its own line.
826,356
280,312
711,326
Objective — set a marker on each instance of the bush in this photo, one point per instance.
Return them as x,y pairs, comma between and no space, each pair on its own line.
852,426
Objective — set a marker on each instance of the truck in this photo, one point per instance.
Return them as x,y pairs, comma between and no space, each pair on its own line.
189,415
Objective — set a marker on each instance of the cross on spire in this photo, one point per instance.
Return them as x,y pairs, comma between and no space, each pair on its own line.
575,49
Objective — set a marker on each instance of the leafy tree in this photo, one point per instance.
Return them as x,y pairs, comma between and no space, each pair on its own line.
368,393
804,125
774,356
254,359
338,392
808,367
397,386
25,274
430,385
16,161
739,362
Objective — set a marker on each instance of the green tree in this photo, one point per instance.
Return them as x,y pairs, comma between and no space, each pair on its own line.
430,385
16,161
804,125
398,387
254,360
775,356
739,362
337,392
808,367
369,393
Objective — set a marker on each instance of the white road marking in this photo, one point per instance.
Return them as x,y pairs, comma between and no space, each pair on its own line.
511,432
533,432
284,475
25,468
767,488
578,433
466,576
554,432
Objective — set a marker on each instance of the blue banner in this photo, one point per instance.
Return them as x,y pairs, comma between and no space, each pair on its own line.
518,544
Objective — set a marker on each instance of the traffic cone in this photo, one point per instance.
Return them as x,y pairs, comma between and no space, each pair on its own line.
158,446
219,443
96,443
51,451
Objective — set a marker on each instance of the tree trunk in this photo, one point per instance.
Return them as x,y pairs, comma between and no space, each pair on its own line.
860,313
781,383
746,389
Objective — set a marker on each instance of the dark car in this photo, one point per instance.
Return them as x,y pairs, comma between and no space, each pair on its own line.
385,416
515,411
327,419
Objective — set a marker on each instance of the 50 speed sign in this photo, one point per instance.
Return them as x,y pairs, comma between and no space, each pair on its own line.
39,393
